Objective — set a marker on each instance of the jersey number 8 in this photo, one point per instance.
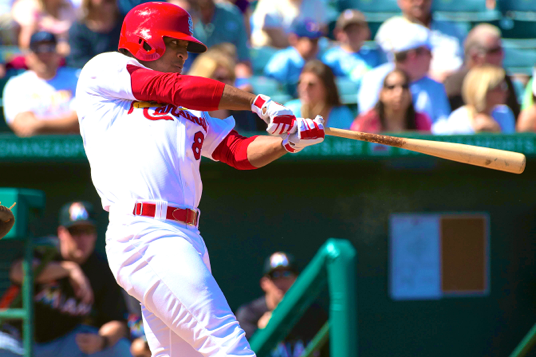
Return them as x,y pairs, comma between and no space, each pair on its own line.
198,144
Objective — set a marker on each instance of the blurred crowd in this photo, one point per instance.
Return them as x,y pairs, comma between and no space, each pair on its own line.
412,72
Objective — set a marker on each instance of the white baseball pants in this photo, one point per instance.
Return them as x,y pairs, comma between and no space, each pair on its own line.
165,265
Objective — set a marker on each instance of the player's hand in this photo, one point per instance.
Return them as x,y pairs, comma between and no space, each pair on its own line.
80,283
89,343
309,132
280,119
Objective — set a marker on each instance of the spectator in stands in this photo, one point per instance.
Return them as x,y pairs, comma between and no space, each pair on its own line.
218,64
318,95
446,38
222,22
410,51
350,59
41,100
8,27
245,9
527,119
55,16
286,65
79,308
139,346
482,46
484,91
272,20
394,111
97,31
279,273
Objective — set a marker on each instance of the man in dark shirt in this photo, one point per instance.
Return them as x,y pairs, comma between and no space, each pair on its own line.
280,272
482,46
79,308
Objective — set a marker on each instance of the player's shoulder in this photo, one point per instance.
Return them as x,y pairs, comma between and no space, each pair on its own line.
109,62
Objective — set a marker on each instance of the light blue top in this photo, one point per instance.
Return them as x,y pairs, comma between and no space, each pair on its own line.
459,122
352,65
339,117
47,99
285,67
429,96
227,25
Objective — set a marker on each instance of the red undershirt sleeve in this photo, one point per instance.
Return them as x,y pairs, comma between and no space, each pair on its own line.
233,150
196,93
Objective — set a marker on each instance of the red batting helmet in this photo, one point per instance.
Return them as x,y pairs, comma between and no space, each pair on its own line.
145,26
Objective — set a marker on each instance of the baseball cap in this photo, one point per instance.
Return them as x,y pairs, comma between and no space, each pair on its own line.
78,212
41,37
279,261
407,37
350,17
306,28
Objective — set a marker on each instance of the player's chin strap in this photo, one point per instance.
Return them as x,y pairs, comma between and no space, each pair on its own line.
309,132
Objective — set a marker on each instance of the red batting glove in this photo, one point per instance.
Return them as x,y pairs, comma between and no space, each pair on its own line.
310,132
280,119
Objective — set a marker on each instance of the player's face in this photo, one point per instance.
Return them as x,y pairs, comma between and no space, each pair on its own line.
77,242
278,283
173,59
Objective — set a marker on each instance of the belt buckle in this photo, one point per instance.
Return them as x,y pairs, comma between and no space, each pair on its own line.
141,209
194,213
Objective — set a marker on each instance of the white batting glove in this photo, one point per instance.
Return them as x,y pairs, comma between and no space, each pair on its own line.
310,132
280,119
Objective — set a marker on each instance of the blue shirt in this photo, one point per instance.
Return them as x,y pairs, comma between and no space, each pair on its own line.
428,95
227,25
352,65
339,117
285,66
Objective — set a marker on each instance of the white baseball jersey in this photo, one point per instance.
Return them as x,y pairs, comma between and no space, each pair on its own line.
138,150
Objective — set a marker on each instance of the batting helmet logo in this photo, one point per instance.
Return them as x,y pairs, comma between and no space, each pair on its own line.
145,26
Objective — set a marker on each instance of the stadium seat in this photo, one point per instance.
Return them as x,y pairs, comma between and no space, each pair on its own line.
270,87
473,11
260,57
519,18
519,59
347,90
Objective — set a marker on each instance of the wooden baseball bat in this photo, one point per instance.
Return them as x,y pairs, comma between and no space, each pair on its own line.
502,160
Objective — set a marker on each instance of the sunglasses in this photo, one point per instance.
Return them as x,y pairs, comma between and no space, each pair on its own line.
280,274
44,48
494,50
503,87
393,86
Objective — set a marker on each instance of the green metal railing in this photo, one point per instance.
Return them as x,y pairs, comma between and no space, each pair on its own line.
28,201
526,343
334,265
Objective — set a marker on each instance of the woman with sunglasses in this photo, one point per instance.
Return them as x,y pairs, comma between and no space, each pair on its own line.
394,111
217,63
318,95
485,93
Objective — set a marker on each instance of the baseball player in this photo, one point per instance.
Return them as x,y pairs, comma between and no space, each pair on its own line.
144,148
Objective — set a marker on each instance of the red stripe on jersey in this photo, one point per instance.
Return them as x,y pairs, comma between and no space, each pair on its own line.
196,93
233,150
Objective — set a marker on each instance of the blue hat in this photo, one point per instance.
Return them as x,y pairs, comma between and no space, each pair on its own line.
306,28
76,213
40,37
